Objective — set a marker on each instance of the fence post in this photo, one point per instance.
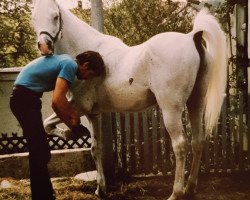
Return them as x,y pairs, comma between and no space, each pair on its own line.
97,15
107,145
248,74
242,60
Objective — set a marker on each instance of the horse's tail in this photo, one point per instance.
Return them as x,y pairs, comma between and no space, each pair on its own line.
217,65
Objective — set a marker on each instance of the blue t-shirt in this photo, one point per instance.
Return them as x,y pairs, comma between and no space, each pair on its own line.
40,75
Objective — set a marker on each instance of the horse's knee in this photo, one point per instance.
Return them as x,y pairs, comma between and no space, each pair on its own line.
197,145
48,126
95,151
48,129
180,147
51,122
95,147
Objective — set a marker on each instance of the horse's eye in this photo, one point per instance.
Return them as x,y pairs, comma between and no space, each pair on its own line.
56,18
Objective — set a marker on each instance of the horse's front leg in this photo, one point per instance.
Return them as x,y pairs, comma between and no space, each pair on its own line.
172,121
50,126
96,150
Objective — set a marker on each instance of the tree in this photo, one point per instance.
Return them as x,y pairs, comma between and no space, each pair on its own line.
135,21
17,36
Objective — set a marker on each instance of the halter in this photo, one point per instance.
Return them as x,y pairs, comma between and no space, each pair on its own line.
54,39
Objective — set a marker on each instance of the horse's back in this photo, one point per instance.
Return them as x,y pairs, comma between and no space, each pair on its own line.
172,45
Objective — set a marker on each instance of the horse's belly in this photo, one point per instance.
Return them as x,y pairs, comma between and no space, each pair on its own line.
126,98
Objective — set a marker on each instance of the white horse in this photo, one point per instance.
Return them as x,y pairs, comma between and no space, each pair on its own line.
170,69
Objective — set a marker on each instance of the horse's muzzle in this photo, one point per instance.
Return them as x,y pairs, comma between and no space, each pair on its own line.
46,48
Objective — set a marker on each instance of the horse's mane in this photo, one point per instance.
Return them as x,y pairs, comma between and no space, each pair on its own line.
82,29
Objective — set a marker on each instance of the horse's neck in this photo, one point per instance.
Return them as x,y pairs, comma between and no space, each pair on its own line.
77,36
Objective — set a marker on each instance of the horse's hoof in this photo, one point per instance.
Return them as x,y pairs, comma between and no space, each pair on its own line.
190,191
189,194
100,193
172,198
177,196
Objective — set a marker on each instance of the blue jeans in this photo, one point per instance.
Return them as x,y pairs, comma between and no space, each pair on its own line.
26,106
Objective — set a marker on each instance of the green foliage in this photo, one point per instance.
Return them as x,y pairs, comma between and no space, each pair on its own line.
237,74
135,21
17,36
223,11
83,15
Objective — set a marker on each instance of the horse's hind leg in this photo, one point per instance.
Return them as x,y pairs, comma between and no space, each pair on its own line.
173,123
195,107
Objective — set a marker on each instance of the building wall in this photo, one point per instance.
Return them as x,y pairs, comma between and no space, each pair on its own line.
8,123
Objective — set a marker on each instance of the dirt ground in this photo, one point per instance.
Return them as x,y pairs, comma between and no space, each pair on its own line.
210,187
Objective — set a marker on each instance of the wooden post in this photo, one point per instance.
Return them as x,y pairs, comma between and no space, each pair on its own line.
241,45
106,124
248,71
79,4
242,65
107,145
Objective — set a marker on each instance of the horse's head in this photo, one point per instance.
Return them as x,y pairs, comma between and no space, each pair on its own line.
47,22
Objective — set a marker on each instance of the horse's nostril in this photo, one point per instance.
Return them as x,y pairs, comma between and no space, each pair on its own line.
49,44
38,45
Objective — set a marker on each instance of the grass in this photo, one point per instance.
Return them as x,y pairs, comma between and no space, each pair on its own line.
210,187
65,188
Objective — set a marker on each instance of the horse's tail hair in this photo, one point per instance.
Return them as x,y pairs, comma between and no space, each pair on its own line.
216,46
